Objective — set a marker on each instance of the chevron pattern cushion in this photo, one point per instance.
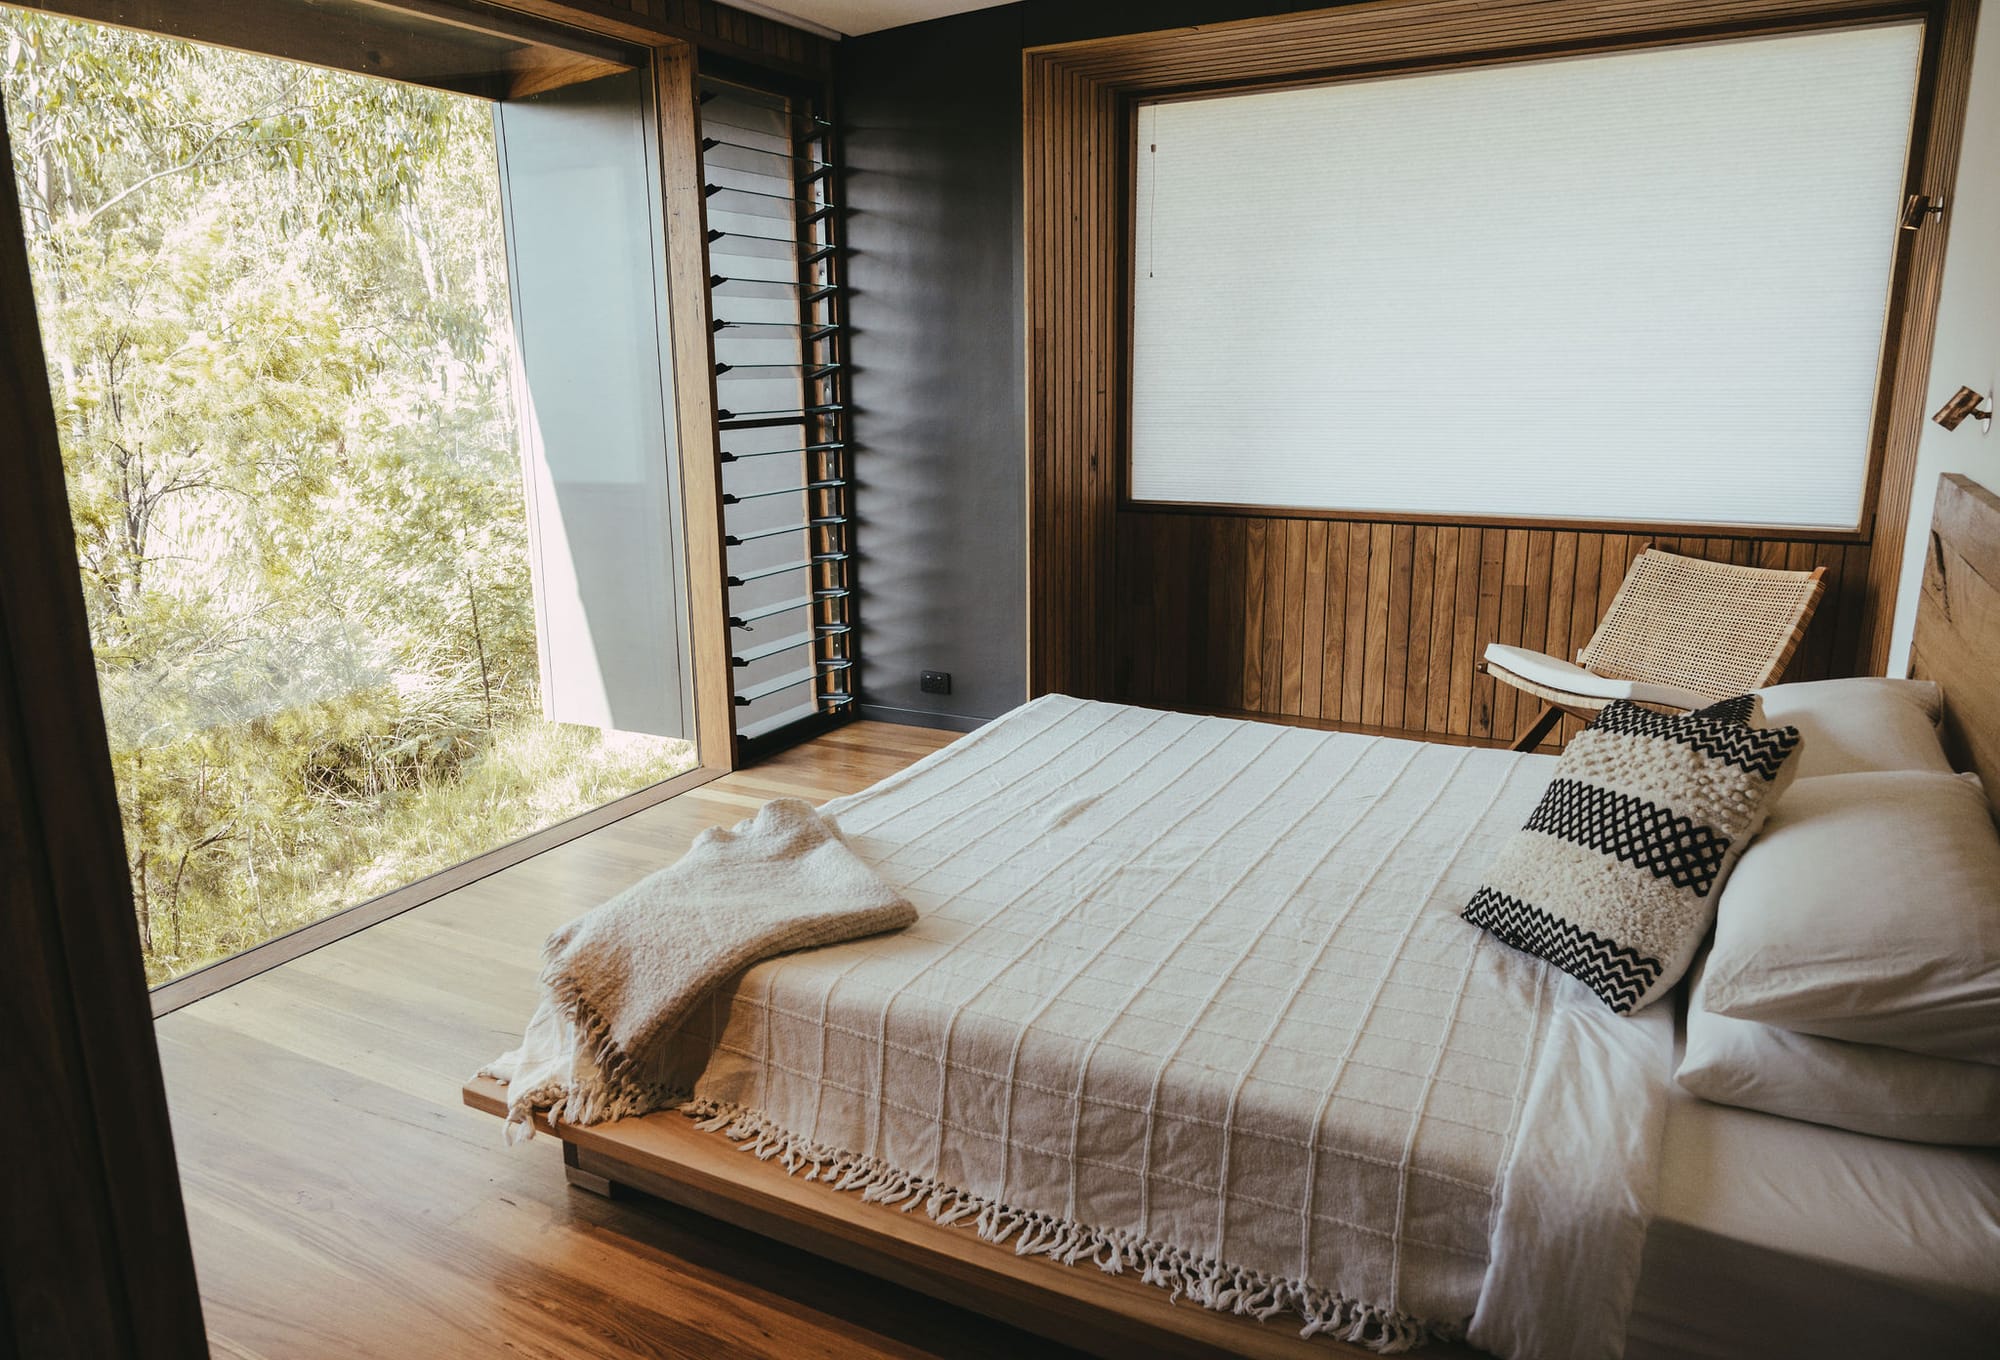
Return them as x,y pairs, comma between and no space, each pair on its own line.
1615,876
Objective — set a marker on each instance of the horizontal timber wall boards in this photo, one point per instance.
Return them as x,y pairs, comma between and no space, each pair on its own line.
1381,624
1120,601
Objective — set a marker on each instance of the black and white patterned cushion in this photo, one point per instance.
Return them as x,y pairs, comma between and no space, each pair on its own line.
1615,876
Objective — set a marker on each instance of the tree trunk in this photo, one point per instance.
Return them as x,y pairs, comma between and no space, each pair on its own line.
145,903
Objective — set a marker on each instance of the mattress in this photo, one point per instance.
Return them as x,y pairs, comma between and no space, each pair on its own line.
1774,1239
1191,998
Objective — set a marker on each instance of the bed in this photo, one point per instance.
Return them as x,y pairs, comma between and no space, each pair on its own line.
1189,999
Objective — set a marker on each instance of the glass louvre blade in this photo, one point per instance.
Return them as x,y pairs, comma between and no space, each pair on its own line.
737,155
784,207
818,522
745,245
809,372
828,484
774,329
729,457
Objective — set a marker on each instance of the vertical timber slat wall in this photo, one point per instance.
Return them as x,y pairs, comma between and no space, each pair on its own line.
1379,624
1361,621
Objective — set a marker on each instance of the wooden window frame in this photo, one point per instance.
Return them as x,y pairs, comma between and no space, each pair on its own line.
1079,103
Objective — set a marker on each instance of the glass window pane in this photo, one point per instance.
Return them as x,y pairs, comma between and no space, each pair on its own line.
276,303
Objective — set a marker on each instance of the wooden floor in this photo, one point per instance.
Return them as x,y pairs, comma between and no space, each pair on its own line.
344,1203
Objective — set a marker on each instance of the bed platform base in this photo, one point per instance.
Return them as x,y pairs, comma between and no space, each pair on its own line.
1108,1315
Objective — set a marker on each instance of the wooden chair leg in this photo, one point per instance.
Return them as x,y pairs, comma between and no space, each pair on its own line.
1539,728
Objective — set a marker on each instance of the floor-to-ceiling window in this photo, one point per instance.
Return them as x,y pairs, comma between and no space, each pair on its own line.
360,393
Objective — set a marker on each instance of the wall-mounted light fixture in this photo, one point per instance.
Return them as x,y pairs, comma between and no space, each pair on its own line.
1919,209
1964,402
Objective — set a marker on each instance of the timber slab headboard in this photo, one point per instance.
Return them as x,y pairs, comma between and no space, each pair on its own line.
1957,640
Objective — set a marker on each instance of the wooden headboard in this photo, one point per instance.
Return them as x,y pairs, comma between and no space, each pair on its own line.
1957,640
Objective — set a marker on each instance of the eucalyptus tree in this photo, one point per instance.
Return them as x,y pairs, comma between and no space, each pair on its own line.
273,299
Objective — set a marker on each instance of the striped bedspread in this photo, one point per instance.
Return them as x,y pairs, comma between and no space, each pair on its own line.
1190,997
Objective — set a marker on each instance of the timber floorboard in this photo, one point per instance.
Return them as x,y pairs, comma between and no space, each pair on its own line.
343,1202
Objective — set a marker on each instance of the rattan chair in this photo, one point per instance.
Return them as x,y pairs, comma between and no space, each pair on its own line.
1680,634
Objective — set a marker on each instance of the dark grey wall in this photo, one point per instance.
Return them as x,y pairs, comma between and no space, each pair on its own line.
931,138
931,129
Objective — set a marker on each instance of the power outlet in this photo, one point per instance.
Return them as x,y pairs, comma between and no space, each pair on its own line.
934,682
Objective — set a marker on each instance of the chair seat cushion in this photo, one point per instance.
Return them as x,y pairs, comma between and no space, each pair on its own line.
1554,673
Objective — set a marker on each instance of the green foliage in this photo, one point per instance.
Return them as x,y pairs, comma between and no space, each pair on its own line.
273,299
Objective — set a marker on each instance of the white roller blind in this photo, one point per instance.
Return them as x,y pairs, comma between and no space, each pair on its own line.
1643,286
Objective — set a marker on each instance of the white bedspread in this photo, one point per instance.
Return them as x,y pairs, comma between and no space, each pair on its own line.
1191,997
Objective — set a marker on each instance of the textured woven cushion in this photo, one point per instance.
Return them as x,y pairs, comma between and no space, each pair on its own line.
1614,879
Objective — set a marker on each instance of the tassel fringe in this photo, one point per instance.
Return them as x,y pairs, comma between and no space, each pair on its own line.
1208,1282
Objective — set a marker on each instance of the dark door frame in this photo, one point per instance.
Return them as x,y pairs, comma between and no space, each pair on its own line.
96,1258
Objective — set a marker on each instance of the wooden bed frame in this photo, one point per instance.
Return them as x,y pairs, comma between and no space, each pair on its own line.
1957,641
1957,644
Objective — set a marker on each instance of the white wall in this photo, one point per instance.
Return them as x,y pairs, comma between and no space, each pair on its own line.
1968,333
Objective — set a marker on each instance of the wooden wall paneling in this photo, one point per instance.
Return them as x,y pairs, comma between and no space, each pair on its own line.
1292,666
1513,612
1416,689
1375,650
1562,594
1253,613
1444,596
1852,607
1333,672
1236,578
1582,612
1492,579
1274,616
1179,656
1396,635
1354,655
1131,676
1312,670
1465,630
1380,625
1537,588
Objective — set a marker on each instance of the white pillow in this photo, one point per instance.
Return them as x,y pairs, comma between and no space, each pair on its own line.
1866,723
1869,910
1882,1091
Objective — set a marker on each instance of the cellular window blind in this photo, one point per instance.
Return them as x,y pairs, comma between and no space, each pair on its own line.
1643,286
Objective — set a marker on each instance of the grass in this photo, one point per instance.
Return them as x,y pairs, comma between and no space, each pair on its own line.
531,775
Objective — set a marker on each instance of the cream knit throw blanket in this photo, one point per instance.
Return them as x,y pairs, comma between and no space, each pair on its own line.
619,980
